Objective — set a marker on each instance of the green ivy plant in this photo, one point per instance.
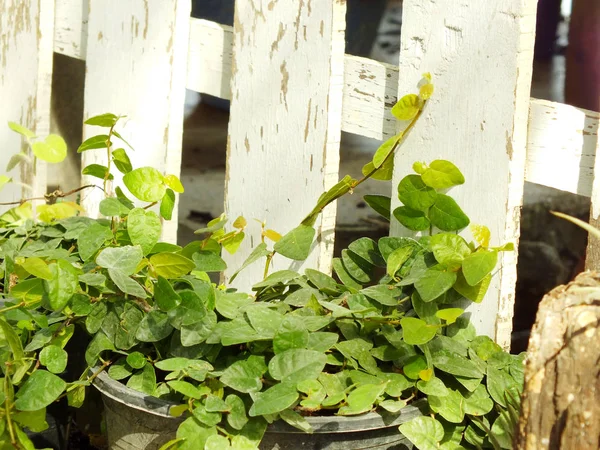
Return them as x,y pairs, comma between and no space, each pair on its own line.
389,329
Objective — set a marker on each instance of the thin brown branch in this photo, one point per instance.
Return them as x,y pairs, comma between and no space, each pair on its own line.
52,195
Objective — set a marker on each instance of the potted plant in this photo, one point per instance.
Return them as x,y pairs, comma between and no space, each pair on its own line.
381,356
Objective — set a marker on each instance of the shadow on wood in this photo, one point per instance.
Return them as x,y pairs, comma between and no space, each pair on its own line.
561,400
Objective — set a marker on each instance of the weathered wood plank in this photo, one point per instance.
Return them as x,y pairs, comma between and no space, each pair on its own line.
483,130
284,140
26,41
136,66
561,146
70,32
370,88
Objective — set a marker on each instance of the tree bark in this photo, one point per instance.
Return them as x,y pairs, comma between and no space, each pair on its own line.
561,400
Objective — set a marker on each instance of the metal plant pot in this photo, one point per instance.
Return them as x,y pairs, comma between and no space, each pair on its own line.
137,421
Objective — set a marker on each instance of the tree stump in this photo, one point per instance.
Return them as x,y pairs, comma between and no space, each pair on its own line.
561,400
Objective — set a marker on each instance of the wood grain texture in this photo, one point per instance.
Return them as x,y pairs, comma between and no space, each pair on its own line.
561,400
285,122
136,66
26,42
480,56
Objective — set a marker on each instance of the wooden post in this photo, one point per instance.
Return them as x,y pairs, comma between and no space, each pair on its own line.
284,129
561,400
136,66
480,55
26,42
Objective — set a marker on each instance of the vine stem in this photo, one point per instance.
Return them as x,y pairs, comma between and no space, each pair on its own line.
108,155
53,195
10,308
8,406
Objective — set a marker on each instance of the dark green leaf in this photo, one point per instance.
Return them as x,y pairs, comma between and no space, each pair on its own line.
113,207
411,218
413,193
362,399
98,171
167,204
154,327
450,407
54,358
123,259
39,390
297,365
144,381
136,360
447,215
99,344
381,204
208,261
94,142
127,284
143,228
479,265
165,296
275,399
455,364
245,375
122,161
106,120
341,188
92,239
434,282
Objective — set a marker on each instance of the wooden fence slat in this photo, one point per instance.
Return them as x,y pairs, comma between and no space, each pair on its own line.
590,130
480,56
136,66
285,122
370,88
26,43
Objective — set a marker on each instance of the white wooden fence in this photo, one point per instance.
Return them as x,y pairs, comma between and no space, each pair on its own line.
292,92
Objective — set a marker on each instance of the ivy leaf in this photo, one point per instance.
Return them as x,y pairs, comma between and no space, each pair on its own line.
381,204
417,331
478,402
33,420
126,284
4,180
236,418
123,259
92,239
174,183
297,243
98,171
275,399
397,258
455,364
143,228
171,265
112,206
415,194
23,131
450,407
54,358
122,161
99,344
207,261
154,327
447,215
482,234
185,388
95,142
384,173
449,249
411,218
424,432
144,381
245,375
232,241
37,267
479,265
260,251
106,120
52,150
362,399
63,285
435,282
165,296
146,184
194,434
474,293
384,150
297,365
442,175
39,390
342,187
290,335
407,107
499,382
167,204
433,386
450,314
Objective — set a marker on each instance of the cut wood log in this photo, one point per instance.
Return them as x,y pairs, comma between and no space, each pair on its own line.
561,400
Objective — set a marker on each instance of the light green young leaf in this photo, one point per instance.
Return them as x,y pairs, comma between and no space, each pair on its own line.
417,331
4,180
449,249
450,314
143,228
407,107
174,183
384,173
37,267
146,184
52,150
21,130
442,175
15,160
171,265
338,190
297,243
260,251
